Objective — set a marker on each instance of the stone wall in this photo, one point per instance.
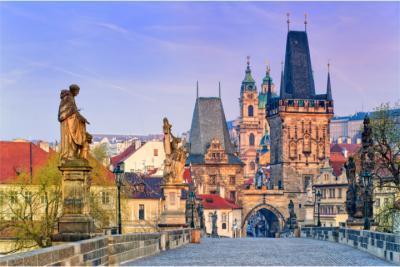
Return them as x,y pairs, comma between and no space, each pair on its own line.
383,245
105,250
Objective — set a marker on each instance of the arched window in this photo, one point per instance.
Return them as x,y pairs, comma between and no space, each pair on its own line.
251,140
252,166
250,111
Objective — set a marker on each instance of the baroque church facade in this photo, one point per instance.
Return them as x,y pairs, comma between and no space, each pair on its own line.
253,126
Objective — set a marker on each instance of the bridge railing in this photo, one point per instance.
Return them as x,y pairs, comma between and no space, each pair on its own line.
104,250
383,245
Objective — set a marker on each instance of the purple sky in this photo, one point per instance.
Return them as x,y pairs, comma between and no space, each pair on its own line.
137,62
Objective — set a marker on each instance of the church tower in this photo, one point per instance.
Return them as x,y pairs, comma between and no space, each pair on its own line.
299,121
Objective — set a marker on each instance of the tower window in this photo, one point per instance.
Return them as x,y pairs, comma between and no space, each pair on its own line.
141,211
252,166
251,139
250,111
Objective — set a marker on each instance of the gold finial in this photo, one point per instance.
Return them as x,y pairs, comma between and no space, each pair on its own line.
305,21
248,60
288,20
267,65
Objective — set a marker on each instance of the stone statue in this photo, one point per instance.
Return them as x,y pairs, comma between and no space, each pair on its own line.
259,179
175,156
350,167
74,138
214,231
292,215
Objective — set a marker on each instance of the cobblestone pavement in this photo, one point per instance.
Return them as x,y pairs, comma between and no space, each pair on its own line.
262,251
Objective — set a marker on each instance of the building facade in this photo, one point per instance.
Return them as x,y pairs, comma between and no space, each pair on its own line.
216,168
252,123
299,122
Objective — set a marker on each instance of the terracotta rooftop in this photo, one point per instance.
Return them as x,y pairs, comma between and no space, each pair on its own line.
351,148
215,202
123,156
15,158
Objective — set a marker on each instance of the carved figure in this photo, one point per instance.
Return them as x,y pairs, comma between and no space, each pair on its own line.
214,231
175,156
259,179
74,138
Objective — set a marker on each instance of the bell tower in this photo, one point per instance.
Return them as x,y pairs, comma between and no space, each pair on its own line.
250,125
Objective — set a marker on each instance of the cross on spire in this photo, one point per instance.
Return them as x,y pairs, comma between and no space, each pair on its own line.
288,20
305,21
248,60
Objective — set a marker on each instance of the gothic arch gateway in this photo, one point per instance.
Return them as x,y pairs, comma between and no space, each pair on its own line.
267,210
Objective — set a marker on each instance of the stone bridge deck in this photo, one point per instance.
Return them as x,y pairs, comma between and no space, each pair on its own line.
262,251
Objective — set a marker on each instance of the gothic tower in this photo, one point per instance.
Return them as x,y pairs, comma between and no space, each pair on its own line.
299,120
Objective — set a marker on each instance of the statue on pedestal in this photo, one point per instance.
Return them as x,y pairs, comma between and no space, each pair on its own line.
75,223
214,229
175,156
74,138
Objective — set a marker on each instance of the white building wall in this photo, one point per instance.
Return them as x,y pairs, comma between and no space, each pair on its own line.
227,217
146,158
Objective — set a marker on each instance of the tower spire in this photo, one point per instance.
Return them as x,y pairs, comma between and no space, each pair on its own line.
288,20
328,85
305,22
219,89
197,89
281,87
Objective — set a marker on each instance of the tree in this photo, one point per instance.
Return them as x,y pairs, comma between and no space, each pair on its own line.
32,207
99,152
386,136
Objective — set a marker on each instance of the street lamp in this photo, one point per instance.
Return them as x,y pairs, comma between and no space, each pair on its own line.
192,198
118,171
366,180
318,197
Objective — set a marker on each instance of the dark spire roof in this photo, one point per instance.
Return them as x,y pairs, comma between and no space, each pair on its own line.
281,89
328,87
208,122
248,82
298,76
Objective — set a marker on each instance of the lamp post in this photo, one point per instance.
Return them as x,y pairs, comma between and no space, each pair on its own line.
318,197
366,179
192,201
118,171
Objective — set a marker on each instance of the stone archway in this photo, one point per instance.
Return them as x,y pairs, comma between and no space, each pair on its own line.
271,214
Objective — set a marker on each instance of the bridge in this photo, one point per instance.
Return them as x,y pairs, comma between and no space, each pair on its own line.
261,251
317,246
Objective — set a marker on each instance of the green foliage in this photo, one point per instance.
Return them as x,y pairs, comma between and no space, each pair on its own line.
99,152
386,136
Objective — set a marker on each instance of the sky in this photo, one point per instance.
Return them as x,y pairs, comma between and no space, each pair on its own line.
137,62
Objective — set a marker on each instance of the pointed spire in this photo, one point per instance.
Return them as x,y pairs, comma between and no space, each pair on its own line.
328,85
305,22
219,89
248,82
269,95
281,91
197,89
288,21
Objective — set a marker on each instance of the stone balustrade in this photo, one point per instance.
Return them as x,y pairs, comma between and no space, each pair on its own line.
383,245
104,250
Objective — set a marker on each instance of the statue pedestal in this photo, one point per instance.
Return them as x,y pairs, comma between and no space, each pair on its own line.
358,223
173,215
309,214
75,222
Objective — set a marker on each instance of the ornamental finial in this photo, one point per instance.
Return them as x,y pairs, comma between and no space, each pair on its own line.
329,65
248,60
288,20
305,21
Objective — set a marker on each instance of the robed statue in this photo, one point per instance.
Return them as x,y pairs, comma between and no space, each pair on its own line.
175,156
74,138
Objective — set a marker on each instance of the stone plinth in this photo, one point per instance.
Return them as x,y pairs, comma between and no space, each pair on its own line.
309,214
75,222
173,215
358,223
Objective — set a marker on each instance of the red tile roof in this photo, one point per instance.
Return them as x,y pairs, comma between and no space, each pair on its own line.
215,202
123,156
15,157
351,148
337,161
